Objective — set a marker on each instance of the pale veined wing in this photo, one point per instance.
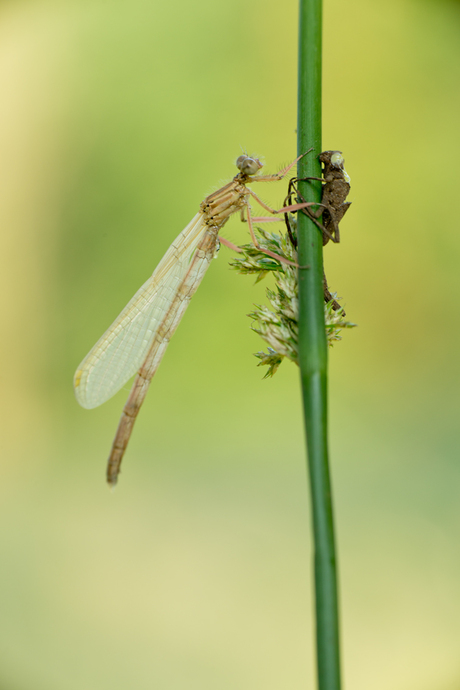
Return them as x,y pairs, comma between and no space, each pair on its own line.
121,351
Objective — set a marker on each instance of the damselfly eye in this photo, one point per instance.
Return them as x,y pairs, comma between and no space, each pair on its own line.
247,165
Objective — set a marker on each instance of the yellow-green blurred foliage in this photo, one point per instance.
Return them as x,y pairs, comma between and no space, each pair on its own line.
116,118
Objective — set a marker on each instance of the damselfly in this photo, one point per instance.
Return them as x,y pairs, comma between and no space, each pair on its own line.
138,338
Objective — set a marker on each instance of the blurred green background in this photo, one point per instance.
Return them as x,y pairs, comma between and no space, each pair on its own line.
116,119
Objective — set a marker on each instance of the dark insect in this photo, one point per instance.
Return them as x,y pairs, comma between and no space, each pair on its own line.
333,205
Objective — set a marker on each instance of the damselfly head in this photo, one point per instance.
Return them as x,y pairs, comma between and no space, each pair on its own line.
248,165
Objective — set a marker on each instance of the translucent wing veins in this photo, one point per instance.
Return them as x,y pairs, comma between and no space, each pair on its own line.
120,352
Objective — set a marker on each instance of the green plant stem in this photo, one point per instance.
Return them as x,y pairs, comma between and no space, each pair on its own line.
313,348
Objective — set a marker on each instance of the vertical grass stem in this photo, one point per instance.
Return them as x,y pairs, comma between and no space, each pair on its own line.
313,348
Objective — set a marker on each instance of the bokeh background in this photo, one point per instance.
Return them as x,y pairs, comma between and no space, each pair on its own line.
116,119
